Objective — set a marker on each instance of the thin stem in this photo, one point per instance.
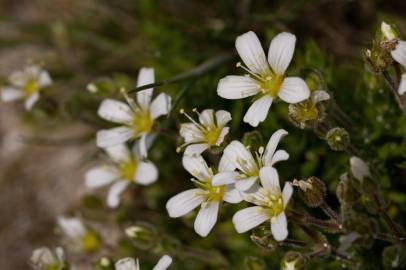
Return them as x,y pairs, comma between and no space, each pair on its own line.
394,88
330,212
199,70
307,219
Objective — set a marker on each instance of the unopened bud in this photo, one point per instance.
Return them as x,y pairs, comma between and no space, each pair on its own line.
312,191
346,192
43,259
388,32
143,235
254,263
262,236
394,257
338,139
293,260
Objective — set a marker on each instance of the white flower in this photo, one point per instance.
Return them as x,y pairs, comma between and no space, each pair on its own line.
402,85
136,118
127,168
206,195
271,204
266,79
210,131
43,259
359,168
78,237
399,53
26,84
248,167
131,264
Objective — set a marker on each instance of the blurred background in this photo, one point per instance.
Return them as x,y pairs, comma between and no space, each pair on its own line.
44,154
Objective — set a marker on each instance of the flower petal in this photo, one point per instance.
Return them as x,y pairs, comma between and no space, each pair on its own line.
145,76
113,136
146,173
141,146
272,145
10,94
399,54
44,79
126,264
294,90
237,87
246,183
113,197
270,179
222,118
191,133
160,106
279,227
118,153
232,195
115,111
223,134
279,155
225,164
224,178
281,52
100,176
196,149
287,193
251,52
206,218
197,167
206,118
71,227
249,218
184,202
319,95
163,263
359,168
402,85
240,157
30,101
258,111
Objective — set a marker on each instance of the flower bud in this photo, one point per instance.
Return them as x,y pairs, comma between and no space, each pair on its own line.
346,192
293,260
142,235
105,264
312,191
44,259
303,114
262,236
254,263
338,139
388,32
394,257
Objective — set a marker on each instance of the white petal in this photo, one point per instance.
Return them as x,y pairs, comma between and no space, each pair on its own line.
197,167
145,76
141,146
113,136
237,87
10,94
196,149
399,54
319,95
30,101
281,52
359,168
245,184
146,173
71,227
241,158
225,164
272,145
184,202
249,218
160,106
287,193
232,195
191,133
279,155
222,135
251,52
279,227
100,176
126,264
270,179
258,111
294,90
206,118
222,118
113,197
115,111
44,79
402,86
224,178
206,218
119,153
163,263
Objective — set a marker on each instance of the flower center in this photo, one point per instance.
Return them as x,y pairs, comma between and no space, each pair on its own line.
274,205
271,85
215,193
90,241
142,122
212,134
31,87
128,169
